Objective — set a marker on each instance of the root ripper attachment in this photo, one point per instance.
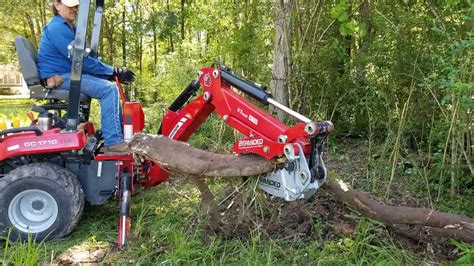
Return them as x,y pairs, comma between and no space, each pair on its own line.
299,178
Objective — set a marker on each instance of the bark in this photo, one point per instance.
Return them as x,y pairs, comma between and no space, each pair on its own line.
155,39
183,19
387,214
424,233
110,40
31,24
43,12
124,41
180,157
282,54
140,42
170,37
363,45
173,155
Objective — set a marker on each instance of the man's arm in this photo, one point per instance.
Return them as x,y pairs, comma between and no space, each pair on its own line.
62,37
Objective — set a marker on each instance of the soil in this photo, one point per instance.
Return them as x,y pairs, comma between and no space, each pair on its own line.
280,220
320,217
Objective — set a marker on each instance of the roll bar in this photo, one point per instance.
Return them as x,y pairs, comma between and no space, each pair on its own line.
78,53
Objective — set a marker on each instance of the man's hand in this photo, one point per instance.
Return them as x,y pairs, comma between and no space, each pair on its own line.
123,74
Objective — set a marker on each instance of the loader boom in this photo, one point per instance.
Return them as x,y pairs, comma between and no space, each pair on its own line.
302,144
266,136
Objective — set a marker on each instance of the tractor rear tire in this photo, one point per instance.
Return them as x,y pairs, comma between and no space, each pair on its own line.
41,199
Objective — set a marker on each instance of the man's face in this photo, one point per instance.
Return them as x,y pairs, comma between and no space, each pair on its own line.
68,13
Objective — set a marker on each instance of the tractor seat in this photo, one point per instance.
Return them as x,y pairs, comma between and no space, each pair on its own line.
28,57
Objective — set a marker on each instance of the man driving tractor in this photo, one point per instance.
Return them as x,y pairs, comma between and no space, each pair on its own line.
48,171
54,66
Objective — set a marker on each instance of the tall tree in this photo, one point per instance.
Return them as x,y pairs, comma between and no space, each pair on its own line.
124,39
282,54
183,18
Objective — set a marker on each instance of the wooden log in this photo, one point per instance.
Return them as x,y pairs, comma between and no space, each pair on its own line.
180,157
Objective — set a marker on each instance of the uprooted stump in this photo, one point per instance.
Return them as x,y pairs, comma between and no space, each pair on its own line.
180,157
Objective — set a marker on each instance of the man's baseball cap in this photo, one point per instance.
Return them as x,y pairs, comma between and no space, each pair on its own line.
70,3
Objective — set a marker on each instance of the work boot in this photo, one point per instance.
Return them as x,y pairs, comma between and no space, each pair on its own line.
121,147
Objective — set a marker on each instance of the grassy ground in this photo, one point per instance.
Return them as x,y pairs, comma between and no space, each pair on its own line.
11,109
169,228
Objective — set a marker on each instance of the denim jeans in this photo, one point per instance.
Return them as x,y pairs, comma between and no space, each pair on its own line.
110,109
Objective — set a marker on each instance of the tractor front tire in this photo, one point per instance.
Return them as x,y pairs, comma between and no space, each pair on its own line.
41,199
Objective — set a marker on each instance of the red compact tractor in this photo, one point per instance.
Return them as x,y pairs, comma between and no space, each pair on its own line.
50,168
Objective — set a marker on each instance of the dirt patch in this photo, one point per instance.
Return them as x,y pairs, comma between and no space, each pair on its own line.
79,257
320,217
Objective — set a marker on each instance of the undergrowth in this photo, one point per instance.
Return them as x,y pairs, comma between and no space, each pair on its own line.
166,230
23,252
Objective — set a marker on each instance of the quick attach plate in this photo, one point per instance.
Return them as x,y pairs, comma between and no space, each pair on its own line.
292,182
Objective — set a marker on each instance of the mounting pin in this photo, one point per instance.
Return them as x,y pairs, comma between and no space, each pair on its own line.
310,128
207,96
215,73
282,138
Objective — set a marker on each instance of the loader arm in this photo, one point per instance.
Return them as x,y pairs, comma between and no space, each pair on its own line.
302,144
266,136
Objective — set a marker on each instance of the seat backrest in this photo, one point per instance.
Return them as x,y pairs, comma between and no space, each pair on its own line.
27,55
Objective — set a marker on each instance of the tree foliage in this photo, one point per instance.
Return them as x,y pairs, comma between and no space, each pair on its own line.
395,72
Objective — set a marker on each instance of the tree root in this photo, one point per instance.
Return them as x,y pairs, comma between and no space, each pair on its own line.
180,157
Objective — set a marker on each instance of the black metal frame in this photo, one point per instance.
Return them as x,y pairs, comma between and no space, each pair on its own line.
78,53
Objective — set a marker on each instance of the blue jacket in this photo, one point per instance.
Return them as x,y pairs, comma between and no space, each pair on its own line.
53,54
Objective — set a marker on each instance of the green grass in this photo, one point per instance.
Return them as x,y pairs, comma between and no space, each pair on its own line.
23,252
15,109
161,233
164,231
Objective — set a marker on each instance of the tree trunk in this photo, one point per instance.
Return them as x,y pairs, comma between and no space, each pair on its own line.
31,24
361,117
180,157
38,29
43,12
183,19
202,163
109,32
140,41
282,54
170,37
153,26
124,44
365,17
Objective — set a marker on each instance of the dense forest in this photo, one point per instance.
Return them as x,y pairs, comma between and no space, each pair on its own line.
396,76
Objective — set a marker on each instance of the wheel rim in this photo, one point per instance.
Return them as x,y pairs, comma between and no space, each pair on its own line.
33,211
